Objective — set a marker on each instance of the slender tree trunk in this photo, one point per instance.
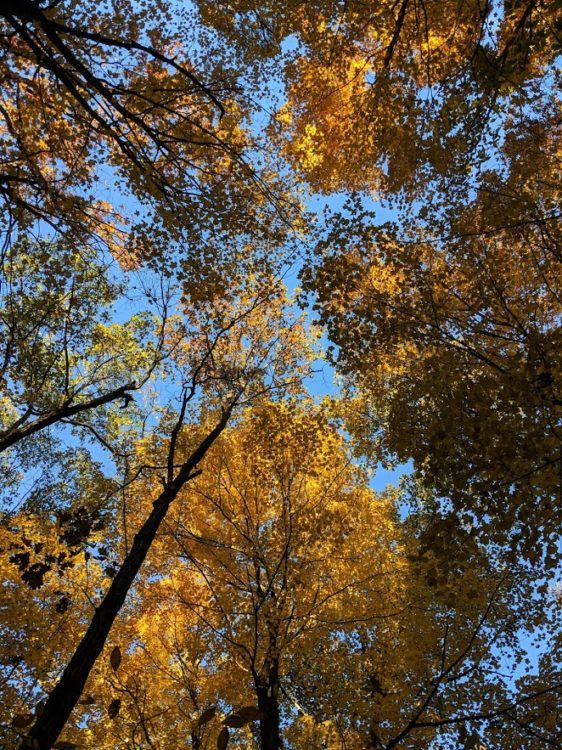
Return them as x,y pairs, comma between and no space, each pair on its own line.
267,691
64,696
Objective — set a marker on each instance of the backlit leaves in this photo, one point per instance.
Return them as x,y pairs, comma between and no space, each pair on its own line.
115,658
222,739
243,716
281,592
207,715
113,708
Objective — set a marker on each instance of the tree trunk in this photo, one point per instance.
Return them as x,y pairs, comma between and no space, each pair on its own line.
267,691
64,696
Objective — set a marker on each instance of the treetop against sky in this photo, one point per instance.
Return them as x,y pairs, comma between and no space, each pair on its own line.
250,253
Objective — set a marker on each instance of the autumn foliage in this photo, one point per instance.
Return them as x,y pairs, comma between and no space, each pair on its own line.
208,212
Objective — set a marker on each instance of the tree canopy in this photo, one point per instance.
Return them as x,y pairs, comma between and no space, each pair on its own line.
207,210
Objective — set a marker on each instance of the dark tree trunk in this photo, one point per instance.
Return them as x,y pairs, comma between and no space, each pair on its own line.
64,696
267,690
64,411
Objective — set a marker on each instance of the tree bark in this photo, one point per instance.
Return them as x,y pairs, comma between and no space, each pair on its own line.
64,411
64,696
267,691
